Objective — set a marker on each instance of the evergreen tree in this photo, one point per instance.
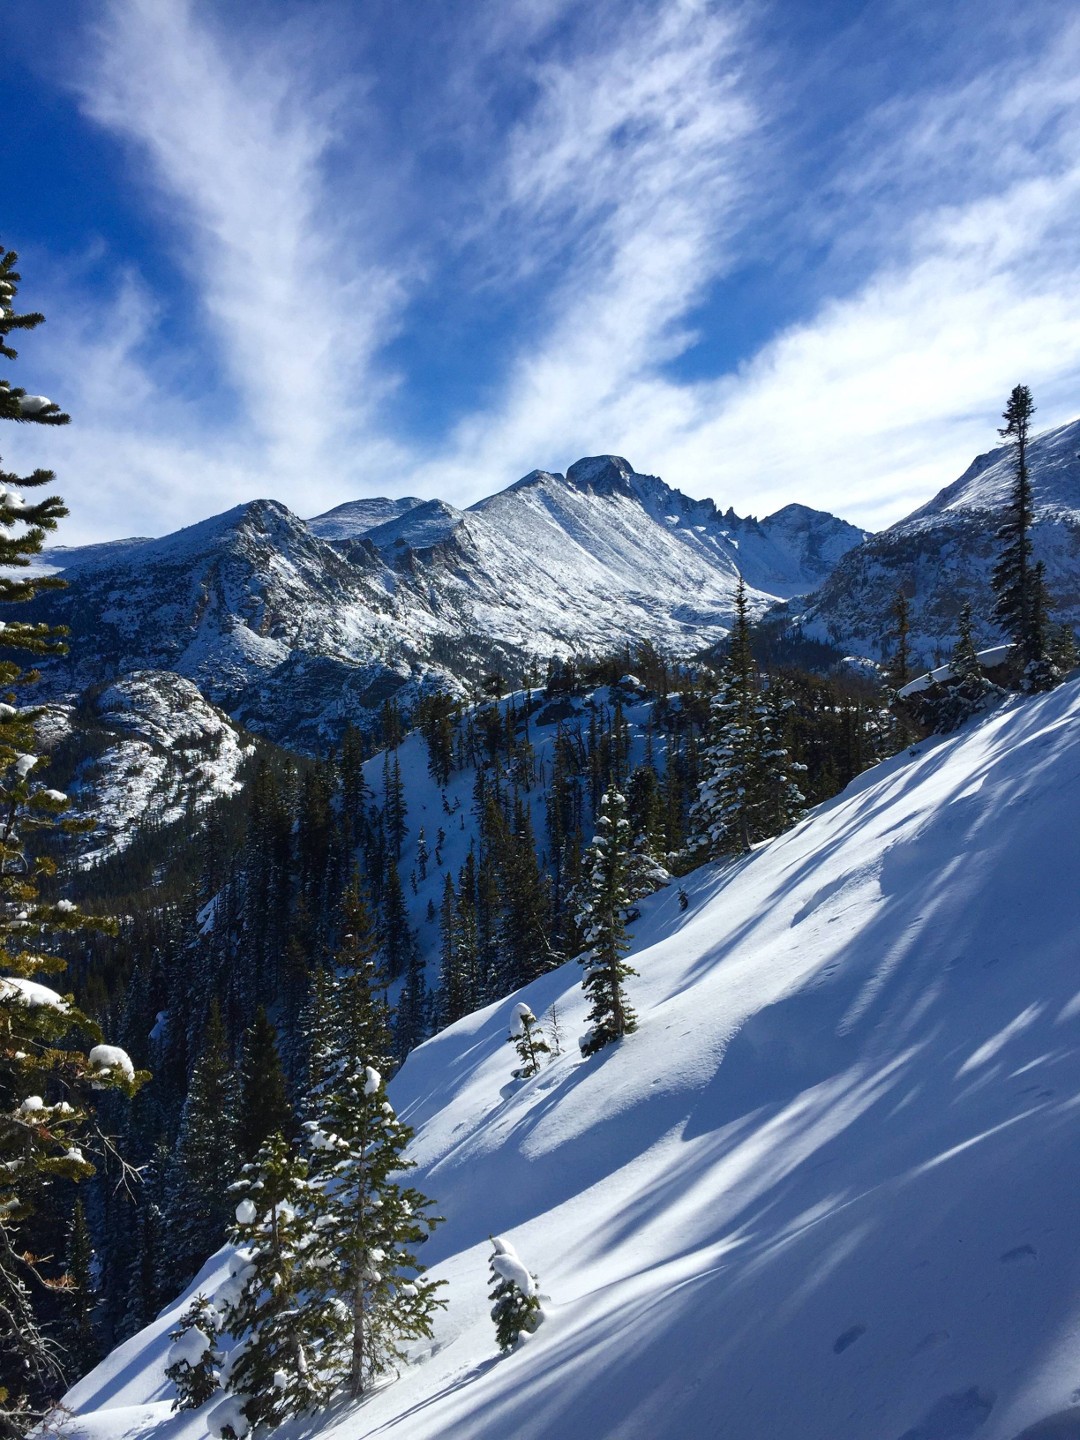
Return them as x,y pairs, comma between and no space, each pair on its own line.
264,1104
363,1241
455,988
968,690
194,1356
515,1303
47,1127
206,1159
747,789
1020,603
528,1040
82,1343
603,927
898,670
272,1303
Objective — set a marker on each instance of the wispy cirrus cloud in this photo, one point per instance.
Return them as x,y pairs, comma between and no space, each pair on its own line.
592,177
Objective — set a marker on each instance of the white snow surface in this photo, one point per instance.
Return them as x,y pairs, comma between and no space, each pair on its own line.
826,1192
30,993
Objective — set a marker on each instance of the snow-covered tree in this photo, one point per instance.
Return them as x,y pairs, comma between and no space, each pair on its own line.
968,690
280,1321
194,1356
51,1058
515,1302
529,1040
747,788
364,1238
604,902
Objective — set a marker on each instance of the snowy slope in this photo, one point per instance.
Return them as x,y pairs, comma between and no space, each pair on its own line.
826,1192
357,517
295,628
943,553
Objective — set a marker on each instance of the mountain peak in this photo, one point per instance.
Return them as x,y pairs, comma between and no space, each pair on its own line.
603,474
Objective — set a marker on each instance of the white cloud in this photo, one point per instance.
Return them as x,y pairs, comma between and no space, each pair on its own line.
628,184
884,394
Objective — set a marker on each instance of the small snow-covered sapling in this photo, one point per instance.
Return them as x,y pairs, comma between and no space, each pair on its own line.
194,1357
528,1040
516,1306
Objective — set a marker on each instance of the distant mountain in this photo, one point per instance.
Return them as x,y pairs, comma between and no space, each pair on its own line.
942,554
293,627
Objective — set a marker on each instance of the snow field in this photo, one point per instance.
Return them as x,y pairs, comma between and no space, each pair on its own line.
826,1192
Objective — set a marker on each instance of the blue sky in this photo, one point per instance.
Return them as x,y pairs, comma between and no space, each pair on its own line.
771,252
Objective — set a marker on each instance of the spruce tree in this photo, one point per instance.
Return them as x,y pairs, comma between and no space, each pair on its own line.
364,1237
748,788
529,1040
81,1342
264,1104
515,1303
601,919
206,1160
278,1312
1021,603
51,1058
968,691
194,1357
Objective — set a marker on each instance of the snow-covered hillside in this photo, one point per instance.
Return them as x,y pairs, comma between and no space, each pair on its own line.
827,1191
942,555
295,627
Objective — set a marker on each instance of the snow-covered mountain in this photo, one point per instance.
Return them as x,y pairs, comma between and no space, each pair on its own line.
943,553
146,746
292,627
826,1192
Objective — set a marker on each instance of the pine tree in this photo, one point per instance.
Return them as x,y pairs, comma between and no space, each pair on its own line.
748,788
273,1303
528,1040
363,1241
194,1357
603,927
1019,586
515,1303
47,1128
264,1104
82,1343
206,1159
969,691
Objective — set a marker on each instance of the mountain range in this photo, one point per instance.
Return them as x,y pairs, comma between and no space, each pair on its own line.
293,627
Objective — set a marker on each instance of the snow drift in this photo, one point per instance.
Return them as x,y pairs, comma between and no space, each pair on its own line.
827,1192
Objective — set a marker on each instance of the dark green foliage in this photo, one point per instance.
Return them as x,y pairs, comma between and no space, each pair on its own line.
264,1104
1021,602
206,1159
48,1130
604,902
81,1341
748,788
268,1304
967,692
367,1226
